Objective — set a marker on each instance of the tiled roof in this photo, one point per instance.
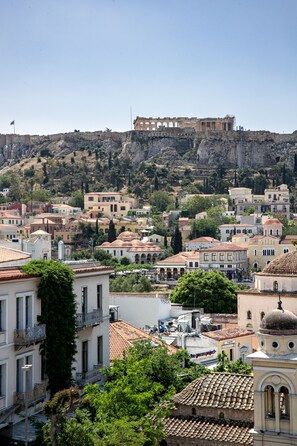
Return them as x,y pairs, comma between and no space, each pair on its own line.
219,390
272,221
9,255
285,264
227,333
123,335
204,240
228,246
209,429
13,274
180,258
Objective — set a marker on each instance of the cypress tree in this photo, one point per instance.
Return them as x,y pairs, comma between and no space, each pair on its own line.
176,241
112,235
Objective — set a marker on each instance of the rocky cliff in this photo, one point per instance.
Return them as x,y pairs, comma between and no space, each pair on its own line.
175,147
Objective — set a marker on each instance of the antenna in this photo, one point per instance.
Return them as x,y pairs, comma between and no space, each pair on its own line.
131,117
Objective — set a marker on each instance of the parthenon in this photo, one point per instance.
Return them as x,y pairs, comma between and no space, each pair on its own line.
198,124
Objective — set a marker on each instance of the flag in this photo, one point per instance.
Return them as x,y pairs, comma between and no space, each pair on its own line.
12,123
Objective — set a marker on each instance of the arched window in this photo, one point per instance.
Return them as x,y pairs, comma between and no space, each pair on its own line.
284,403
262,314
275,285
193,411
249,315
269,402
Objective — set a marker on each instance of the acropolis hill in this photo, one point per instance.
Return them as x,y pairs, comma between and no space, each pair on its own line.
171,145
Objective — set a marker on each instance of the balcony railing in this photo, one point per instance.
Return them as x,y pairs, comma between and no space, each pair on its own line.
2,337
89,377
88,319
29,335
31,397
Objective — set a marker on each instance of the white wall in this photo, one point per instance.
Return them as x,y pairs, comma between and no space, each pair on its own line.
140,309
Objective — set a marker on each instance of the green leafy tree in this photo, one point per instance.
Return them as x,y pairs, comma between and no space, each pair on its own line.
224,365
56,292
77,199
130,408
130,283
210,290
112,235
160,200
204,227
124,261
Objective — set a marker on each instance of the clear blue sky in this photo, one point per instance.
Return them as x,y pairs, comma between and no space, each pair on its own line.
82,64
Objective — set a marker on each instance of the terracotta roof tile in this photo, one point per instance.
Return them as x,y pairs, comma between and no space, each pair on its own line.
123,335
227,333
215,389
228,246
209,429
10,255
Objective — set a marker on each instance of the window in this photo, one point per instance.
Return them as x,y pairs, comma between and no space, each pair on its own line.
196,264
24,379
84,300
24,311
2,380
2,315
227,231
269,402
284,403
262,315
268,252
206,257
255,252
229,257
249,315
123,208
90,198
99,296
191,264
84,356
213,257
286,250
100,350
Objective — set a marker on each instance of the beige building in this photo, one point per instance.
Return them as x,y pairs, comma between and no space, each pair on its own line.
225,409
128,245
274,376
262,249
110,204
279,278
226,257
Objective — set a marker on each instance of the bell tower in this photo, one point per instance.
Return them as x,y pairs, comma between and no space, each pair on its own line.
275,380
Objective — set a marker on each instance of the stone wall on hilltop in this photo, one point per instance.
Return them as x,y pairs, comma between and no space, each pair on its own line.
175,147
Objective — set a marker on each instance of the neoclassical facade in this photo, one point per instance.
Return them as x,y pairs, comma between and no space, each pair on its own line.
198,124
279,277
128,245
275,384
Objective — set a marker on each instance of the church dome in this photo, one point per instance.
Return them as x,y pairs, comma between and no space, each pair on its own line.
279,321
127,235
285,264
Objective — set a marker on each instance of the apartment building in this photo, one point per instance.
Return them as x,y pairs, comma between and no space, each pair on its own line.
110,204
22,368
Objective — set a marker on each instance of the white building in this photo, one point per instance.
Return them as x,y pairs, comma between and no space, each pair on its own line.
20,334
200,243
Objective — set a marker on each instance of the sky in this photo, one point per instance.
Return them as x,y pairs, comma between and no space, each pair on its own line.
93,64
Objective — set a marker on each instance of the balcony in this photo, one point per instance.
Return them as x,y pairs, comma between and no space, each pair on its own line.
31,397
2,337
88,319
89,377
29,335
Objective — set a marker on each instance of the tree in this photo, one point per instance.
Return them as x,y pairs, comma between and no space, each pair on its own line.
177,241
130,408
58,312
197,204
226,366
161,200
130,283
77,199
210,290
112,235
204,227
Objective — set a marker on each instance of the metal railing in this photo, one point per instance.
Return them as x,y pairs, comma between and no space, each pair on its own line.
32,396
30,335
89,377
88,319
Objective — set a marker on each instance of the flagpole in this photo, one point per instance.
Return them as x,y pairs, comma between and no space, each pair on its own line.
14,126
